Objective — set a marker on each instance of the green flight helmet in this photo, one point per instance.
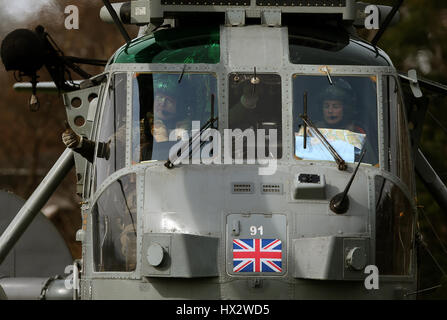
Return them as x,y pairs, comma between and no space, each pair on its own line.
166,84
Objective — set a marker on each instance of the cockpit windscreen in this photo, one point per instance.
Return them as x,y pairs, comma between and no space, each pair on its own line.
165,107
343,109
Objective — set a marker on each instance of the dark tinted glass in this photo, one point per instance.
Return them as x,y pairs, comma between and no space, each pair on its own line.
115,226
354,53
255,105
189,45
395,220
111,154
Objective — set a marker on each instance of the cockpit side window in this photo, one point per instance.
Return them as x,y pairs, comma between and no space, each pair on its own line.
397,144
111,146
395,223
114,218
344,109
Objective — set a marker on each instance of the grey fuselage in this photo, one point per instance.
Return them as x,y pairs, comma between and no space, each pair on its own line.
188,217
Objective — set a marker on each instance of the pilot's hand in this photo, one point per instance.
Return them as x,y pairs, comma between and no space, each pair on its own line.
179,133
159,131
71,139
182,128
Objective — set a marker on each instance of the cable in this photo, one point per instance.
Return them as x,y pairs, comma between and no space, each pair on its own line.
437,121
422,290
434,259
433,229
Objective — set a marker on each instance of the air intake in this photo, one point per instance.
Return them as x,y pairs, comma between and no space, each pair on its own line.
242,188
271,188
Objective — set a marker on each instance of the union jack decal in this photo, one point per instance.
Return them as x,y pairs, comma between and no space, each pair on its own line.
257,255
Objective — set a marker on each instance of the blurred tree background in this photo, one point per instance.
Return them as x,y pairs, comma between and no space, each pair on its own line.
419,42
31,141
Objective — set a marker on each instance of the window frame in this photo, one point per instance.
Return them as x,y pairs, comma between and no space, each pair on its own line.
132,111
378,113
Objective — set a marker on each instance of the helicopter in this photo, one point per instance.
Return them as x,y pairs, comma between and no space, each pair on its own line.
249,192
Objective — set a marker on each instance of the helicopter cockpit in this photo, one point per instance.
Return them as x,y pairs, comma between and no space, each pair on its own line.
255,100
163,87
288,83
155,109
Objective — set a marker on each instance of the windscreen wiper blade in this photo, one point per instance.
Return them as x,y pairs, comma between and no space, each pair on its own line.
339,204
340,162
209,124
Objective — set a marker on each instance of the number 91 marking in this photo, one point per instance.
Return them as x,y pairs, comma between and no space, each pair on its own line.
256,230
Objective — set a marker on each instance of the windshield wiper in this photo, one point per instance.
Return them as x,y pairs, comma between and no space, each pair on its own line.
181,75
328,73
307,123
209,124
340,202
340,162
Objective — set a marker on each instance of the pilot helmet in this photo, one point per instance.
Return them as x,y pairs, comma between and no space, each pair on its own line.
166,84
340,90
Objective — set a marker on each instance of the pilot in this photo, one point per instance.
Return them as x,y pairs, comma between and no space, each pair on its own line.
155,127
338,101
167,115
255,102
82,145
244,111
86,147
166,120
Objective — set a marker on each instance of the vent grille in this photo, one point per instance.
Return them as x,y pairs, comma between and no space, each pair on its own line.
244,188
271,188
